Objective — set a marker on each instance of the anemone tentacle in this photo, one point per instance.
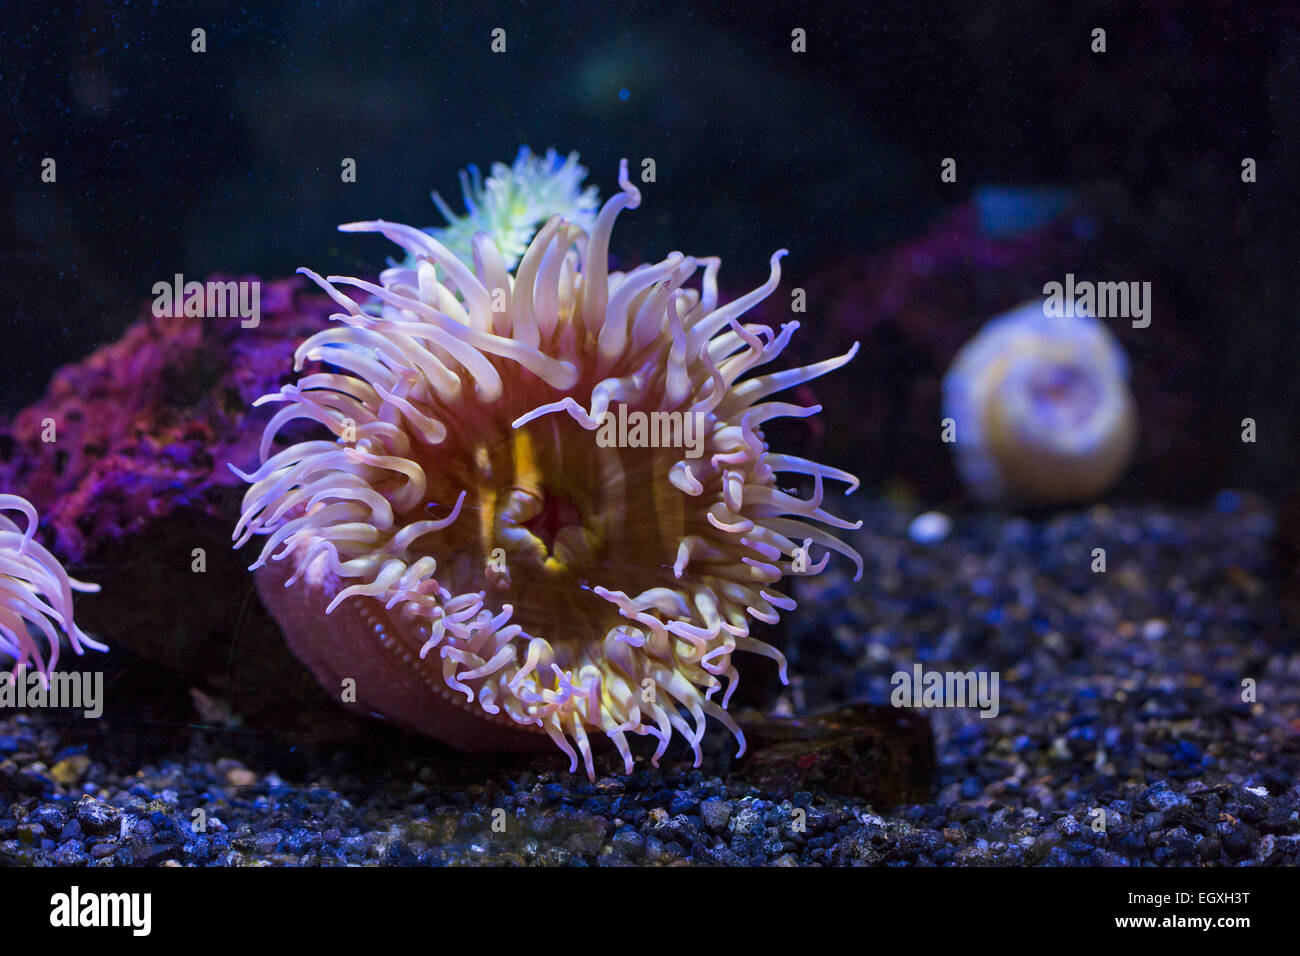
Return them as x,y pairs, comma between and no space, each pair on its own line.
35,595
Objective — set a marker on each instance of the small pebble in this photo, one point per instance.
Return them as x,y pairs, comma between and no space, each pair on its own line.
930,527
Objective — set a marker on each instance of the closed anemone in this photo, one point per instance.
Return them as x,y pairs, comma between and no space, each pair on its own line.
1041,409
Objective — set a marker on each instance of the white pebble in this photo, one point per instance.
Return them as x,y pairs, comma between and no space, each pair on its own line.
1154,629
929,528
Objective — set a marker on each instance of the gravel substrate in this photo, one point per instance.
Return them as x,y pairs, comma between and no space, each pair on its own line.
1119,690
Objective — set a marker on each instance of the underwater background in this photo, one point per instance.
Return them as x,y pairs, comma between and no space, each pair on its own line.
1120,691
229,163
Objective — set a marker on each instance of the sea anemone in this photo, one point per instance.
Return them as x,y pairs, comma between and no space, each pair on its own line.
35,595
473,554
513,202
1041,408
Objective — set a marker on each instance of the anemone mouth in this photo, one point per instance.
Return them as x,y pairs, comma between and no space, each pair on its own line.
1066,394
550,517
556,572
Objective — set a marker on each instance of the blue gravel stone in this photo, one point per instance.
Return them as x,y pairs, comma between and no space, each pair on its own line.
1160,798
628,840
1227,502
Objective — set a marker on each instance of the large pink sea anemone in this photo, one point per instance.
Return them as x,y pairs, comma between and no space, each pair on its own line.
478,552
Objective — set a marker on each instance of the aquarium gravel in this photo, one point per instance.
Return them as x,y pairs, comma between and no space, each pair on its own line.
1119,691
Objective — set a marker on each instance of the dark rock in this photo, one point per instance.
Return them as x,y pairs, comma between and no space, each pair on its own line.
139,478
96,817
628,841
715,813
881,754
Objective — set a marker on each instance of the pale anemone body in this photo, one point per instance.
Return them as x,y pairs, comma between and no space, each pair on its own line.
1042,408
471,547
35,596
514,201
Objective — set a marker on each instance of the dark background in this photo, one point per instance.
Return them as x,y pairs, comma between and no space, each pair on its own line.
171,161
